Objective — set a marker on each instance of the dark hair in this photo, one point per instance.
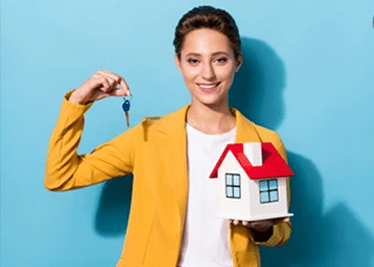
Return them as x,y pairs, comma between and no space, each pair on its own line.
210,18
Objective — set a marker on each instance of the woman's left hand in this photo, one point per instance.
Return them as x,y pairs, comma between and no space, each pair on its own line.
260,226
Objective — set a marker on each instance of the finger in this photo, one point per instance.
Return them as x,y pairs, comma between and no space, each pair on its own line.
112,82
245,223
106,86
125,87
236,222
119,79
97,75
94,83
110,74
117,92
276,221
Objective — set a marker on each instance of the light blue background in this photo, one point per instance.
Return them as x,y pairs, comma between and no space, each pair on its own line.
308,73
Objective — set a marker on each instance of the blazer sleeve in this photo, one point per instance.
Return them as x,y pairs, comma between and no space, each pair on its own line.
66,170
281,232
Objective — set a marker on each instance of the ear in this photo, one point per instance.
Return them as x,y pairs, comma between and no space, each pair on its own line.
239,62
177,62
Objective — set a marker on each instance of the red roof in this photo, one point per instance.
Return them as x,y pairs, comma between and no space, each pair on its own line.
273,165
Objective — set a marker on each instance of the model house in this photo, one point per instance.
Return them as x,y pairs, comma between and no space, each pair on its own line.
252,182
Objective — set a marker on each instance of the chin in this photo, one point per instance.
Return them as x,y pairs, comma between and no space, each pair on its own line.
210,101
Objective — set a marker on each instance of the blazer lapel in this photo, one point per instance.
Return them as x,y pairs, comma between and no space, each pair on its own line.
245,129
172,144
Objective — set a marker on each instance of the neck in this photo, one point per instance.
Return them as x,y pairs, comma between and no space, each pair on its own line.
211,119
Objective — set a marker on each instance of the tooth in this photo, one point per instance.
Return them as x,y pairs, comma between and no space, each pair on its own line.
208,86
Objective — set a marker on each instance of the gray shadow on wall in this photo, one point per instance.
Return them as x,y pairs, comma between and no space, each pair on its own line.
324,239
334,238
307,204
114,207
258,87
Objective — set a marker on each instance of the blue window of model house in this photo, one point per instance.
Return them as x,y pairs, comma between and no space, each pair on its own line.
269,191
232,185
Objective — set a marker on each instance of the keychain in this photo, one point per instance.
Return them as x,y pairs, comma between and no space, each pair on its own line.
126,108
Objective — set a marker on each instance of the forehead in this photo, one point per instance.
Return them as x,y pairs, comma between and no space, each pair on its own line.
206,41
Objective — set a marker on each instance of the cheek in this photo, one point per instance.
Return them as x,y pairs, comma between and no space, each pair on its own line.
226,73
190,74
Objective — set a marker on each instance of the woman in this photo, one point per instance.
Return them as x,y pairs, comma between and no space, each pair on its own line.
172,221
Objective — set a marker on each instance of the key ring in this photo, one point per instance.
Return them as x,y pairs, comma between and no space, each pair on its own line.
127,97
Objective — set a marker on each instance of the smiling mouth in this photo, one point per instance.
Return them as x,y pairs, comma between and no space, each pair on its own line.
208,87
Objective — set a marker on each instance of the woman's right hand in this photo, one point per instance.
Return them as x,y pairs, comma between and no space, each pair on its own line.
102,84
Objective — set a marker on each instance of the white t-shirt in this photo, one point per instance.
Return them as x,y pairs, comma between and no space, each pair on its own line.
206,235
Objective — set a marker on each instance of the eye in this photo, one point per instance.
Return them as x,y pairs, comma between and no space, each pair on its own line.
222,60
192,61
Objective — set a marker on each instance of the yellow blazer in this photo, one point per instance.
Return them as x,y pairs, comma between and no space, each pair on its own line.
155,152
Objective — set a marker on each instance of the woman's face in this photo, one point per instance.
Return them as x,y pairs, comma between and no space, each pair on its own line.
208,66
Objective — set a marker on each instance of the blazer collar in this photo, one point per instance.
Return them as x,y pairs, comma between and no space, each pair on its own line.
174,125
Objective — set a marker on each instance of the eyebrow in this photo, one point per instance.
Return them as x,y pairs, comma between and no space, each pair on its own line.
214,54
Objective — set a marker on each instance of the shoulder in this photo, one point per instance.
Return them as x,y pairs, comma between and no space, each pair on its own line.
149,132
273,137
266,135
151,122
246,125
172,123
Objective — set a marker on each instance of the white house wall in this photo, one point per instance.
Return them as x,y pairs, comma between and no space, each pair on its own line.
232,208
266,210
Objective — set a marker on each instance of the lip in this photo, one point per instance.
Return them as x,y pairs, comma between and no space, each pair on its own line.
208,90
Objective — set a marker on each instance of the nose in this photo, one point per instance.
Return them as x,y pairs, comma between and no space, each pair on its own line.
207,72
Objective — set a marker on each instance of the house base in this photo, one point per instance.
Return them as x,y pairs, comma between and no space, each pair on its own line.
255,218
